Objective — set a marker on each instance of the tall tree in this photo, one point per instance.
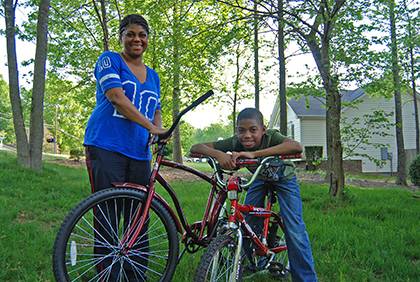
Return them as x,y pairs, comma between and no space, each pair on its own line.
102,17
401,174
410,42
37,110
282,68
314,22
191,37
22,144
176,37
256,56
29,153
318,36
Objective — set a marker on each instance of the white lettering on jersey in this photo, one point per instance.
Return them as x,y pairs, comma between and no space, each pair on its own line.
150,104
106,62
147,105
116,114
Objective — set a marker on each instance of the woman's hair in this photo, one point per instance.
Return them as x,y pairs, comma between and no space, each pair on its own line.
133,19
251,113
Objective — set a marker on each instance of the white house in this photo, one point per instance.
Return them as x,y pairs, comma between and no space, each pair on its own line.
306,124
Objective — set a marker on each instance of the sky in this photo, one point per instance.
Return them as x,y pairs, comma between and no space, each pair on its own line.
204,114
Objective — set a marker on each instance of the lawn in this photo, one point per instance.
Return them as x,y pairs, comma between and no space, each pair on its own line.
372,236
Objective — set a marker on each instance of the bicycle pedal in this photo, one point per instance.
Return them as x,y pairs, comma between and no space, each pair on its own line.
277,270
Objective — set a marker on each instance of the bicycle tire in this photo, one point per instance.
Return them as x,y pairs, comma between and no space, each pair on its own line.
75,243
214,251
279,267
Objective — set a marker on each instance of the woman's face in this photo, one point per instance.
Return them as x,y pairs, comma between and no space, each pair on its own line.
134,40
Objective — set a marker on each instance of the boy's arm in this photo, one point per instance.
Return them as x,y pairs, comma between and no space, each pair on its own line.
225,160
288,146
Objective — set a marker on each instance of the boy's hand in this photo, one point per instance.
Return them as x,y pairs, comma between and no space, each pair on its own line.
226,161
245,155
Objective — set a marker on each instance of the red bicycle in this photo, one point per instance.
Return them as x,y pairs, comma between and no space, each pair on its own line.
142,236
223,259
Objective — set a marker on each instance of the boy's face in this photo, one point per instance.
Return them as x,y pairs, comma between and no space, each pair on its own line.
250,133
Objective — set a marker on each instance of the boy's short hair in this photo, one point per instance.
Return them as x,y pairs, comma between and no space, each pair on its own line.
251,113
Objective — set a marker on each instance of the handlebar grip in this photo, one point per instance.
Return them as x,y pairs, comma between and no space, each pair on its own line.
197,155
245,162
291,156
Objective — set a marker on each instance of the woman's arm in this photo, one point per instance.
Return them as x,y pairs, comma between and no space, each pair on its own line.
157,120
124,106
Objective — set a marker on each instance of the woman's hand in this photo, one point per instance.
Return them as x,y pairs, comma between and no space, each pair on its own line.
157,130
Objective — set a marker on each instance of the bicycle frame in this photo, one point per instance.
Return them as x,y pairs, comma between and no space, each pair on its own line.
215,201
236,216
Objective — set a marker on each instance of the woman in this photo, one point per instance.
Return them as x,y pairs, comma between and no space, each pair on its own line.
127,110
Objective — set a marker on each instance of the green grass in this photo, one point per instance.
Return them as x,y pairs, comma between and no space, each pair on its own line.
372,236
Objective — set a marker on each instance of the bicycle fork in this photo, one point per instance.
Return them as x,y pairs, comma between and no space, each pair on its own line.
236,264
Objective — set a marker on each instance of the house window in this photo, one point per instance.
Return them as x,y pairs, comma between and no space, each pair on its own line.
291,130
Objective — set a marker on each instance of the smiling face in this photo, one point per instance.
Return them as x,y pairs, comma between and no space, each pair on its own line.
250,133
134,40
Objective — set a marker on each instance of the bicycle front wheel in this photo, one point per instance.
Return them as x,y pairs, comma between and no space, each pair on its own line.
89,244
217,263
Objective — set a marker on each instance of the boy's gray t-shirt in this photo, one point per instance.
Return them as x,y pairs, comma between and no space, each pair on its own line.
271,137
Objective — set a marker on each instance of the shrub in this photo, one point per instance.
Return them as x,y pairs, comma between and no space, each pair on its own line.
76,154
415,171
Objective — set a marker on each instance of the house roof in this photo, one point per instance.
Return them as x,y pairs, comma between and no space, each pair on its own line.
315,106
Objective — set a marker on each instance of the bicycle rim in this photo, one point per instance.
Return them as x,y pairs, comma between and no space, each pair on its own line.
89,246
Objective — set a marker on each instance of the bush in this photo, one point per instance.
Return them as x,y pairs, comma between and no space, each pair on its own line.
313,157
76,154
415,171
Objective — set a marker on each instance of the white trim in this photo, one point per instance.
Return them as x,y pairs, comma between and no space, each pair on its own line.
111,75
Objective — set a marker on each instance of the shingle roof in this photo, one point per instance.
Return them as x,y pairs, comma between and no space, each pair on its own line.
315,106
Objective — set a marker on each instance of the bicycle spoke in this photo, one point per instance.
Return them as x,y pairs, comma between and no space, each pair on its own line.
92,248
90,268
147,255
147,268
136,270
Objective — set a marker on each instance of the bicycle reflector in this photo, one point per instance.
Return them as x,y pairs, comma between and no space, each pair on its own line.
233,187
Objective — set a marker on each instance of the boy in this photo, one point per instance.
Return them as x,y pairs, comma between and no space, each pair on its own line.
253,140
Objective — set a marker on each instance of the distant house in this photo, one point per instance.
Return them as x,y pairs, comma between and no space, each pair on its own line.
306,124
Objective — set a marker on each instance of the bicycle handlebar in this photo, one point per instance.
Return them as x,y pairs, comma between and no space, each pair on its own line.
262,163
183,112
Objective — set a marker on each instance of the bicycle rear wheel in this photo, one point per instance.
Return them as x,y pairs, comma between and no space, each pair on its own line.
88,246
279,267
217,263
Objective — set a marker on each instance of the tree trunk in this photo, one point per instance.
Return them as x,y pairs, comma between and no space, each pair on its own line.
236,87
103,22
37,105
335,173
282,71
401,174
256,67
22,146
416,109
177,150
105,25
413,79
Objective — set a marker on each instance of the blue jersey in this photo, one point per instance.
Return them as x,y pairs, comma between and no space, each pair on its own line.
107,128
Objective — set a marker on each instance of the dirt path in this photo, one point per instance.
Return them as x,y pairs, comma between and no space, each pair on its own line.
176,174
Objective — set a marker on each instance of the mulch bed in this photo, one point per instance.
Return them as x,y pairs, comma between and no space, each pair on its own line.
178,175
